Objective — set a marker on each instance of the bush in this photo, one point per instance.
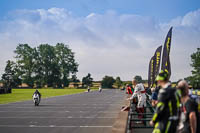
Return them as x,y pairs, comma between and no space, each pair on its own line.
108,82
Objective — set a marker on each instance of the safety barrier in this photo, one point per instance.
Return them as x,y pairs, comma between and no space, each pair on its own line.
134,122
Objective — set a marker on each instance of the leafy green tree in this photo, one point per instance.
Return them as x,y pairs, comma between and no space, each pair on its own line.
66,61
87,80
58,63
191,80
48,64
38,69
10,77
25,61
138,79
118,82
108,82
194,80
45,65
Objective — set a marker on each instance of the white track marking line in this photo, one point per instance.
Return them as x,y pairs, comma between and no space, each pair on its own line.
69,117
97,126
52,126
79,112
66,104
51,107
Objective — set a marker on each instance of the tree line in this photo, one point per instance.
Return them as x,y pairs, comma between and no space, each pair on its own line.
39,66
47,65
194,79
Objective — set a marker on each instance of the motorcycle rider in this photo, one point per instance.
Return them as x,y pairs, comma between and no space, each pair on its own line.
88,88
166,117
37,92
100,88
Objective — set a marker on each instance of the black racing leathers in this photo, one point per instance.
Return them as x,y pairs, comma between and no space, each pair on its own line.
167,110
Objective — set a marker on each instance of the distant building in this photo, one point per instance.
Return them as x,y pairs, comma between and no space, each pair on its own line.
1,84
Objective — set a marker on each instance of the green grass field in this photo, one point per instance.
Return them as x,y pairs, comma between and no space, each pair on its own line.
26,94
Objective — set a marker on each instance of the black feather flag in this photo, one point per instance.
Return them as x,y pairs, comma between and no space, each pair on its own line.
166,66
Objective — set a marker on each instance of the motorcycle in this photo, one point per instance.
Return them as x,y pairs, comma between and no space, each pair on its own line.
100,89
36,99
88,89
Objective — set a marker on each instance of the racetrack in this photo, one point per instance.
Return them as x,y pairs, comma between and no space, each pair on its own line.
78,113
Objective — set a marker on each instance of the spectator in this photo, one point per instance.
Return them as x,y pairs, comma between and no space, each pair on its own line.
139,92
129,90
165,119
189,111
154,96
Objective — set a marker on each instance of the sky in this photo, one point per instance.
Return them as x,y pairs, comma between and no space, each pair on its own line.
109,37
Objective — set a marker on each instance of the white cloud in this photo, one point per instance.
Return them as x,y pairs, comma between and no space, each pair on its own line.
110,43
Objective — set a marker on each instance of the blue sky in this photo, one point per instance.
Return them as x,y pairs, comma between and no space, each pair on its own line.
109,37
163,10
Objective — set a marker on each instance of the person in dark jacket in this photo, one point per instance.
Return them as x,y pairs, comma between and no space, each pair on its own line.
154,96
189,111
166,117
37,92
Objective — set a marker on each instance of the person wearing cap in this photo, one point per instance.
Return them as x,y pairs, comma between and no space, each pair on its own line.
166,116
139,92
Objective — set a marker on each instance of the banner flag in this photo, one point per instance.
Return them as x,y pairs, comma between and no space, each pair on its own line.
166,65
151,74
157,60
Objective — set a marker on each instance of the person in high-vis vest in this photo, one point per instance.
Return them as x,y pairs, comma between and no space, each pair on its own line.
166,116
139,92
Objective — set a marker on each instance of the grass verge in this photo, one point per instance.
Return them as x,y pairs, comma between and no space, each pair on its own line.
26,94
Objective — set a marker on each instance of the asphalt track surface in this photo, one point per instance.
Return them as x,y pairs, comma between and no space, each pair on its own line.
79,113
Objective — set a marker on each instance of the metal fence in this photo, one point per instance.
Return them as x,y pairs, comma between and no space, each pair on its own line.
134,122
